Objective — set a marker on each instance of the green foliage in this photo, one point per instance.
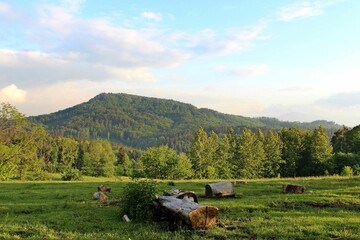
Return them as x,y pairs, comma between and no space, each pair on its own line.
347,171
98,159
72,174
293,149
250,156
273,147
164,163
137,200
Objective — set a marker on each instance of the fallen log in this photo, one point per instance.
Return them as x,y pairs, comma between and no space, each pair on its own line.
100,196
220,189
293,188
102,188
180,194
185,214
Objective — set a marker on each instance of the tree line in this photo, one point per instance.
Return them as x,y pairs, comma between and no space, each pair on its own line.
28,151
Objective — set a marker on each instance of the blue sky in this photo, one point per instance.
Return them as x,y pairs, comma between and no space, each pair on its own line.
293,60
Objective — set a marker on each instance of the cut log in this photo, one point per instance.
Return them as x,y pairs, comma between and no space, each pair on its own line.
220,189
186,195
293,188
188,214
100,196
102,188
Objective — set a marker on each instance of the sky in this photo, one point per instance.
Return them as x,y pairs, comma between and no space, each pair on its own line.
296,60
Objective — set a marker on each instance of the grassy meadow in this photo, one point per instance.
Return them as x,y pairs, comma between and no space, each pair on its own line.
329,209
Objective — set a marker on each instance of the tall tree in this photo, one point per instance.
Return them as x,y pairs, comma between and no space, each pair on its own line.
318,151
250,156
273,146
293,150
199,154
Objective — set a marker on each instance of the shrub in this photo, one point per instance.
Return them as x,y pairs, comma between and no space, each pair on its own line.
72,174
137,200
347,171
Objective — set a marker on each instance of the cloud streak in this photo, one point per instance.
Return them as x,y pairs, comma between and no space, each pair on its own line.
304,9
152,16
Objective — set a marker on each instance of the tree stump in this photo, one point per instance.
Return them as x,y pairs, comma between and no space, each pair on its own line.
220,189
293,188
186,214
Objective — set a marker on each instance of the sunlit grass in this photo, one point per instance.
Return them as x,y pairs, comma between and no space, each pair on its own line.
329,208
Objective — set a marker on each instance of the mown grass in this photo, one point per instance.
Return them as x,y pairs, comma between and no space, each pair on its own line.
329,209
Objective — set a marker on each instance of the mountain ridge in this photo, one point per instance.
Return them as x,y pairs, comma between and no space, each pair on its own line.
141,122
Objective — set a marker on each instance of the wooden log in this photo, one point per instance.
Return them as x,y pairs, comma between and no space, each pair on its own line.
186,195
189,214
102,188
220,189
293,188
100,196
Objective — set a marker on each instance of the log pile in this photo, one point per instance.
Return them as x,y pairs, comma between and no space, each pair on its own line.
182,210
220,189
293,188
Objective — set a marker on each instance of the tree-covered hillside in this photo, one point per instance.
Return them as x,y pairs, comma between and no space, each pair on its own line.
143,121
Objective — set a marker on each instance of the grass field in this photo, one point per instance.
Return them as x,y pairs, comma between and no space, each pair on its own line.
329,209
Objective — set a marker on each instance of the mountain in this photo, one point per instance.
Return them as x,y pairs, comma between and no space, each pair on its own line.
141,122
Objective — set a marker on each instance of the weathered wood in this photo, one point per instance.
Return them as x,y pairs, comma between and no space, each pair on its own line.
100,196
102,188
186,195
238,182
220,189
293,188
189,214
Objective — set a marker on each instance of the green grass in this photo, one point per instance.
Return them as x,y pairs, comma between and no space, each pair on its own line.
329,209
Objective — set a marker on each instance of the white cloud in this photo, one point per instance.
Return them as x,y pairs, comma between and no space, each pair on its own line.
12,94
152,16
304,9
35,69
208,42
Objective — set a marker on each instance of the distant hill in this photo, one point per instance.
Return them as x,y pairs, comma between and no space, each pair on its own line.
141,122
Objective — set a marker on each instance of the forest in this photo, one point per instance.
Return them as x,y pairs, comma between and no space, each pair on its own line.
142,122
29,152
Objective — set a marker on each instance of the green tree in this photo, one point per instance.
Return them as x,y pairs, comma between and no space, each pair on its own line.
199,154
320,151
18,139
250,156
339,140
99,159
293,149
273,146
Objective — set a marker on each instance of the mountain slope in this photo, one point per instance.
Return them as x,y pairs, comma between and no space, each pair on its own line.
143,121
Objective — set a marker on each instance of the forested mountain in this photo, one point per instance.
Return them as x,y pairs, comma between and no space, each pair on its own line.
143,121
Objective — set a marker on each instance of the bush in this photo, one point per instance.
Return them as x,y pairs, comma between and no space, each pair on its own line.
138,200
347,171
72,174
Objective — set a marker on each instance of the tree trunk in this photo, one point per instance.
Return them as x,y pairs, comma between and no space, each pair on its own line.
220,189
188,214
